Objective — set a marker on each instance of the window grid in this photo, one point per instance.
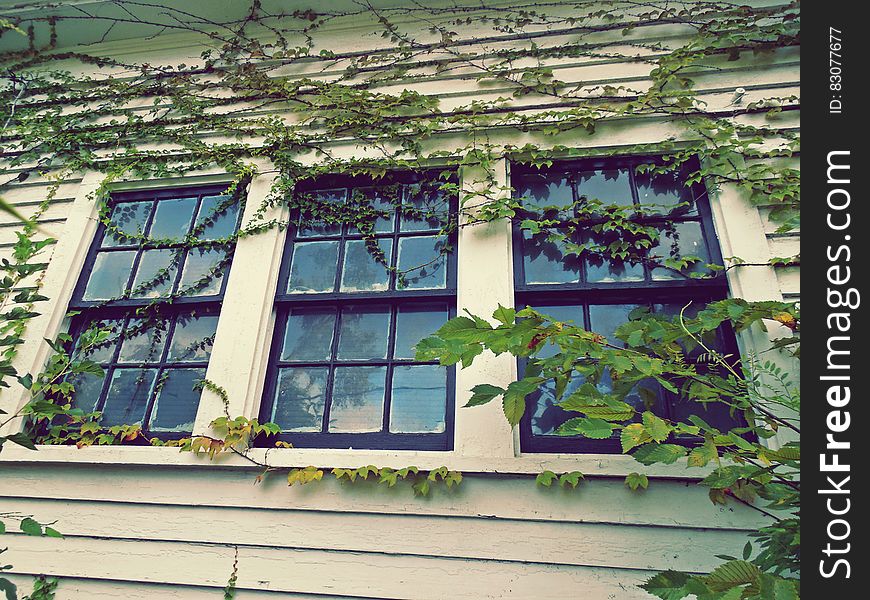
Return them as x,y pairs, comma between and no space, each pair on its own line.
392,299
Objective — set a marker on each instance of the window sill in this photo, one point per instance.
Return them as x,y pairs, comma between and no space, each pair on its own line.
591,465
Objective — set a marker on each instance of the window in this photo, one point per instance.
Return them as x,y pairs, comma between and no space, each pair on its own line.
153,281
598,292
358,289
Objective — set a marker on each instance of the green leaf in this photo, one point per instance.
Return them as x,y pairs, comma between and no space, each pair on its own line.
668,585
730,574
546,478
636,480
596,429
21,439
51,532
702,455
505,315
30,527
9,588
573,479
514,401
633,435
659,453
656,427
2,527
483,393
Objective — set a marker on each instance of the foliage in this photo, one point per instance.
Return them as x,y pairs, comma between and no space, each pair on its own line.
59,120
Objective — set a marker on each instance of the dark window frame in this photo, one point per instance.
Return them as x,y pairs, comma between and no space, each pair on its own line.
391,297
641,292
89,311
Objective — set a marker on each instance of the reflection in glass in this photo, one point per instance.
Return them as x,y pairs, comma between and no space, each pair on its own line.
425,253
428,206
548,415
313,267
109,276
545,262
364,333
193,338
686,239
156,270
361,270
172,219
380,200
300,399
200,264
609,187
143,346
321,199
357,400
127,398
130,218
664,192
88,387
419,399
223,223
606,268
413,323
177,400
105,351
605,318
308,336
572,315
540,190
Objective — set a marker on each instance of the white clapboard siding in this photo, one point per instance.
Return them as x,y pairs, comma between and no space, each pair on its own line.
173,530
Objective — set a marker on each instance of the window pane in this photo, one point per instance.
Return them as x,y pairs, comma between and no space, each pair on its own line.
88,388
540,190
381,200
424,256
193,338
605,318
363,333
419,399
607,268
156,273
413,323
172,219
544,261
109,276
609,187
361,270
310,227
143,346
313,267
299,399
128,396
664,193
685,240
548,416
130,218
565,314
200,277
357,400
103,352
428,207
223,223
177,400
308,336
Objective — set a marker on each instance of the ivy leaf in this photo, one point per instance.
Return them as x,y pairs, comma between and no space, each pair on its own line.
659,453
546,478
636,480
53,533
30,526
573,479
483,393
595,429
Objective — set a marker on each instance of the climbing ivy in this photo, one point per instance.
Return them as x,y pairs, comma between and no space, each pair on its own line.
236,109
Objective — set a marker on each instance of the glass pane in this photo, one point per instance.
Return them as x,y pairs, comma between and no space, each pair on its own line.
109,276
606,268
313,267
712,339
177,400
541,190
716,414
609,187
299,399
413,323
308,336
362,271
605,318
320,200
544,261
193,338
102,352
200,277
565,314
172,219
223,223
88,387
156,273
419,399
548,416
665,193
128,396
423,255
130,219
363,333
143,346
685,240
382,200
425,207
357,400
